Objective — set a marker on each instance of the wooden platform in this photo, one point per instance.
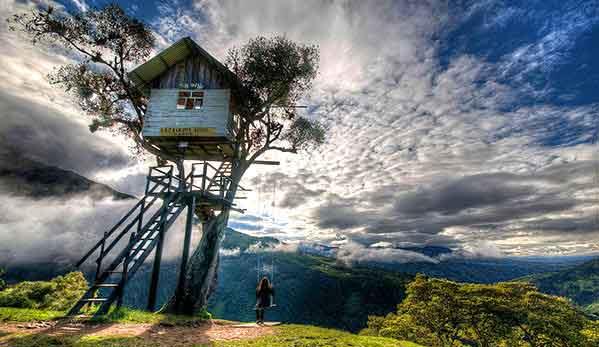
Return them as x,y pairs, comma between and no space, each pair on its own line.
255,325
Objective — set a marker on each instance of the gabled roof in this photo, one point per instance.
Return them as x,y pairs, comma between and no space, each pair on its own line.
177,52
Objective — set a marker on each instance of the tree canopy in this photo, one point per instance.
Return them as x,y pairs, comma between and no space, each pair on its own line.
273,73
438,312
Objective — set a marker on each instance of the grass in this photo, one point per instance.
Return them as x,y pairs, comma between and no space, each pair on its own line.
11,314
122,315
41,340
309,336
127,315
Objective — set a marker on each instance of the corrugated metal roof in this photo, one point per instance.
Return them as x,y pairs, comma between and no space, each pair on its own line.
177,52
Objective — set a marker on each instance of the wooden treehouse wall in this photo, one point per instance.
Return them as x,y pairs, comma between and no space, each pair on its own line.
195,69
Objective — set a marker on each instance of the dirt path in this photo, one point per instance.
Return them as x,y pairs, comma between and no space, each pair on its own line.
155,333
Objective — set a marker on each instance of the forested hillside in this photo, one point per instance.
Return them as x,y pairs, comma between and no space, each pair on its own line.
579,283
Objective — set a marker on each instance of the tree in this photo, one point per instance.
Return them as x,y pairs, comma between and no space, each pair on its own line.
2,283
547,320
274,73
444,313
106,42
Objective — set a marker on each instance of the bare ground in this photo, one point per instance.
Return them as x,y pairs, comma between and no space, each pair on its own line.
155,333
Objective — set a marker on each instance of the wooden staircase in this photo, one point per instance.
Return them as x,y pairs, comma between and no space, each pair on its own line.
110,282
205,186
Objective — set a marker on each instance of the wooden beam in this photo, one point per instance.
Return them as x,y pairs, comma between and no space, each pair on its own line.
266,162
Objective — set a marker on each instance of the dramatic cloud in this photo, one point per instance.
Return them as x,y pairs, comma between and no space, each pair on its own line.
446,127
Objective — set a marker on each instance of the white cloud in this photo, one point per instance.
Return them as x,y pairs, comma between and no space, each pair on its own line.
402,125
355,253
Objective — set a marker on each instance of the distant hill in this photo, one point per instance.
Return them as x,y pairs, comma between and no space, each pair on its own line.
236,240
484,270
309,289
579,283
26,177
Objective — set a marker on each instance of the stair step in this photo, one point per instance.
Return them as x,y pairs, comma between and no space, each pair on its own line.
106,285
94,300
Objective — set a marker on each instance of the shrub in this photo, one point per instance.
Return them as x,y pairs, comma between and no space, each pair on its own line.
57,294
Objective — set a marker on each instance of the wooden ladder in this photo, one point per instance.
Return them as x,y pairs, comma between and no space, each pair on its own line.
111,281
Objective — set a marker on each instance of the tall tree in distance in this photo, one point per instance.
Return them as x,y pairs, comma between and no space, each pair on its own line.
274,74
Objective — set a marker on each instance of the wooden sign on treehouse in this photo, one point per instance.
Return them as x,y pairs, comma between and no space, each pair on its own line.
190,109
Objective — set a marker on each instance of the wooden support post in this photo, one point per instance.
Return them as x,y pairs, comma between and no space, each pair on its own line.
181,172
204,173
141,214
100,258
121,287
185,257
157,259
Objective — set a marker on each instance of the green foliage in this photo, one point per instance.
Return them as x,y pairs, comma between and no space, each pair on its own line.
57,294
273,71
591,333
444,313
304,133
12,314
274,74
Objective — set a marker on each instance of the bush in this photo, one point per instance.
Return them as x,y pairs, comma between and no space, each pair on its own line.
58,294
2,283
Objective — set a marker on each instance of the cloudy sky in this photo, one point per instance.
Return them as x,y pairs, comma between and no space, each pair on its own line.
467,124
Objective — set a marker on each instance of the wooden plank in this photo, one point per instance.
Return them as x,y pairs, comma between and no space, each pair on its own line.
266,162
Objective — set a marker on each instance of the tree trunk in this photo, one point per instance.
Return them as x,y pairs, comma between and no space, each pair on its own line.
201,269
203,263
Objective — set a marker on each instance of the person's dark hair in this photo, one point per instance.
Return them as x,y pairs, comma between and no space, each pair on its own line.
263,285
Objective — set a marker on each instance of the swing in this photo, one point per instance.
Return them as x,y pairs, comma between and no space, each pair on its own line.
260,267
271,278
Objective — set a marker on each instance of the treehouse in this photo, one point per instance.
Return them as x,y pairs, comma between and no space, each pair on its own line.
190,105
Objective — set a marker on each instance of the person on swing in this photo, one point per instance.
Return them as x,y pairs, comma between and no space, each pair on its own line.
264,296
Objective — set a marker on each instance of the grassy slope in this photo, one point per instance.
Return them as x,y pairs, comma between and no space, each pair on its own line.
287,335
124,315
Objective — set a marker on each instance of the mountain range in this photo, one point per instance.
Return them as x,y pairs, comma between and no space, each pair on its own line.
22,176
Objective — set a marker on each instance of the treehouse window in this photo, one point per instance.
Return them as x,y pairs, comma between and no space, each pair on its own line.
189,100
